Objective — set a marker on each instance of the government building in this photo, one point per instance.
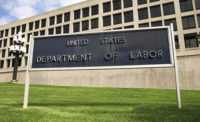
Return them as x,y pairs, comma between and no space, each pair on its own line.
102,15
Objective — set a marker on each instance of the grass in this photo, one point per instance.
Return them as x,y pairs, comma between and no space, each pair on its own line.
71,104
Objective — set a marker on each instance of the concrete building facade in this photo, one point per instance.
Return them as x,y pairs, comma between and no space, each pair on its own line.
98,15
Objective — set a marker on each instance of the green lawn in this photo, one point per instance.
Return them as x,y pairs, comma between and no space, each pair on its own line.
71,104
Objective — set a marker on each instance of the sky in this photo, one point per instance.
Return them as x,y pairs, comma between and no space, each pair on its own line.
13,10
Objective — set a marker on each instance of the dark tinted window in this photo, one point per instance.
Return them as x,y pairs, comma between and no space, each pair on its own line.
24,28
155,11
141,2
95,9
77,14
143,13
18,29
42,33
37,24
117,18
35,33
177,42
27,47
1,33
6,34
128,3
77,27
116,4
52,20
186,5
43,23
197,4
107,20
153,0
8,63
30,26
130,26
51,31
198,18
11,41
85,25
144,25
5,43
0,43
168,8
157,23
59,18
85,12
128,16
29,37
106,7
66,28
3,53
117,28
1,63
191,41
58,30
67,16
188,22
94,23
169,21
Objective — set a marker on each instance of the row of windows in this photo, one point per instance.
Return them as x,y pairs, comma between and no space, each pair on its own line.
10,62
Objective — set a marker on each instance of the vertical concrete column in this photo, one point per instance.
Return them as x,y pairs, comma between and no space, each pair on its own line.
135,14
101,15
71,22
179,25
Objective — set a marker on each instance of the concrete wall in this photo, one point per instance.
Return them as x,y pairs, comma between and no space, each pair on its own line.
189,68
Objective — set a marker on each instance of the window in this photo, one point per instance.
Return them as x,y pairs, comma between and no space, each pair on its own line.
58,30
30,26
29,37
59,18
67,16
191,41
11,41
106,7
85,25
9,53
186,5
66,28
1,63
1,34
117,18
3,53
37,24
144,25
0,43
95,9
157,23
168,8
155,11
5,43
117,28
13,62
85,12
8,63
188,22
6,34
26,60
177,42
42,33
198,18
18,29
153,0
128,16
35,34
197,3
141,2
43,23
27,49
77,14
169,21
107,20
24,28
76,27
128,3
51,31
143,13
94,23
52,20
116,4
127,27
